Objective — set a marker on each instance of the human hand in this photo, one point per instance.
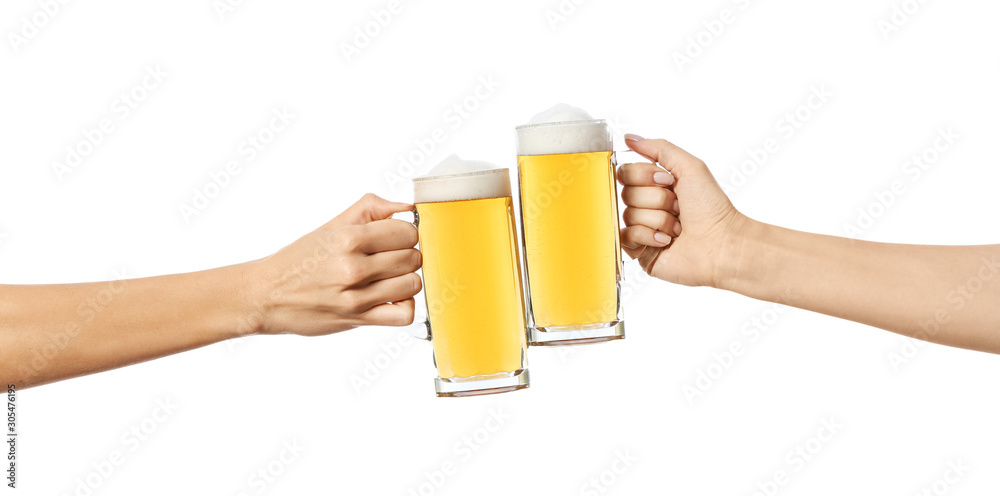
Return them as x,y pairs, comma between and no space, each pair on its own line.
658,203
358,269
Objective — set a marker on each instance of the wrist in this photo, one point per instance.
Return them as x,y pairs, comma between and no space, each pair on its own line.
253,300
741,261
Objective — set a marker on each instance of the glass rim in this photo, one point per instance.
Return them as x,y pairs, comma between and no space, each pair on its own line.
561,123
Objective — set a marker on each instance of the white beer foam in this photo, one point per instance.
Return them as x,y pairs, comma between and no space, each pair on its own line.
563,129
561,113
456,179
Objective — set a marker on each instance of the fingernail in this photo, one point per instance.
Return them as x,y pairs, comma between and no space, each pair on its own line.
663,178
677,228
634,137
662,238
677,207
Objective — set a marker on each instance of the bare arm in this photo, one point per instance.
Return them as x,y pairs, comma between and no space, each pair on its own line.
60,331
358,269
944,294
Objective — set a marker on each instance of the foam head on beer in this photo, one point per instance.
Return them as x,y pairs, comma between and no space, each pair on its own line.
456,179
563,129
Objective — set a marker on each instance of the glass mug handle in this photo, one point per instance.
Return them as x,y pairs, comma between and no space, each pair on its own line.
421,326
621,157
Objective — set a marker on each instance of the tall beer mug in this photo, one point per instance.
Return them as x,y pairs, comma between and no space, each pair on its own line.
472,278
569,224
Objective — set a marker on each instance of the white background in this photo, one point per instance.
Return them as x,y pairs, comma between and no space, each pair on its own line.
237,404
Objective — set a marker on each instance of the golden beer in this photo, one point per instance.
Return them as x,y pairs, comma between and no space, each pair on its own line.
472,283
570,214
569,211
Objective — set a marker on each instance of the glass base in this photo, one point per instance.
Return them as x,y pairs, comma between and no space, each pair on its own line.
580,334
482,384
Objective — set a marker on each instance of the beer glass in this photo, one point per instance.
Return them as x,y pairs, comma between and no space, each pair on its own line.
570,238
472,282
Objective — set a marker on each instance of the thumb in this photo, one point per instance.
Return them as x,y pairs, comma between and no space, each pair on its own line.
670,156
370,208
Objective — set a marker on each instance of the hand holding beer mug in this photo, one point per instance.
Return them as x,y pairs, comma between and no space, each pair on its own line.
472,278
569,212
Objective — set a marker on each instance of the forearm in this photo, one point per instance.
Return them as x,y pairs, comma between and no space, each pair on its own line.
944,294
53,332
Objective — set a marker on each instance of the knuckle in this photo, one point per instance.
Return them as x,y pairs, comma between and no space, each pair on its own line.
629,216
350,238
351,272
628,195
412,236
406,314
666,221
666,198
350,300
416,258
415,283
638,174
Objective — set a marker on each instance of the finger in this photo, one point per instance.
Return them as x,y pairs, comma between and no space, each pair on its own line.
658,220
635,237
672,157
386,235
654,197
371,207
386,290
644,174
632,253
389,264
397,313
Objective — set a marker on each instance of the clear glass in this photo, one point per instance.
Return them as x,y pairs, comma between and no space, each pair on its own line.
570,237
473,288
